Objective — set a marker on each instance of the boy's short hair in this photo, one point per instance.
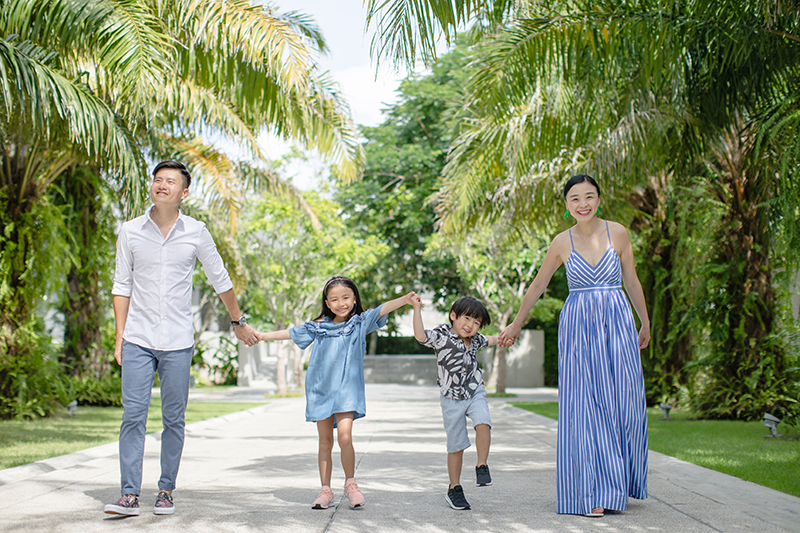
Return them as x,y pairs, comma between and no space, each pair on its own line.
175,165
471,307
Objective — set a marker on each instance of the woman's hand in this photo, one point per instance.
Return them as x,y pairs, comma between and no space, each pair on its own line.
644,336
509,335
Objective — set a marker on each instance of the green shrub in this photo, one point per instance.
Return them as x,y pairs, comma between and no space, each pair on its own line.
30,385
224,369
400,346
105,391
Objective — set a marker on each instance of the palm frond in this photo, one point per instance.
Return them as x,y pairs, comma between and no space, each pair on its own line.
327,127
134,46
201,108
407,30
122,37
222,185
258,35
48,100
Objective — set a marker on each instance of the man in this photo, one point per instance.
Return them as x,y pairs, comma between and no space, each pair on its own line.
152,292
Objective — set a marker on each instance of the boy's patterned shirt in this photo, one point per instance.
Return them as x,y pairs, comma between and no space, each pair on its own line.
458,372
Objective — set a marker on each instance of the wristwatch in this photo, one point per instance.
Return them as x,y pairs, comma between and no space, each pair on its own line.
241,322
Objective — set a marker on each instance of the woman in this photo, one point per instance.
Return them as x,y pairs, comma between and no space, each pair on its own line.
602,432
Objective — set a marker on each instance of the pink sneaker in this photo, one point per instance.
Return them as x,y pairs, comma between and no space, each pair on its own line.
324,500
354,496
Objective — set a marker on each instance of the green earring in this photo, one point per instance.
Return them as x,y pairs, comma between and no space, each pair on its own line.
566,214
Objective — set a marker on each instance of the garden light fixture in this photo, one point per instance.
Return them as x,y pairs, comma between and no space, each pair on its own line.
665,407
772,423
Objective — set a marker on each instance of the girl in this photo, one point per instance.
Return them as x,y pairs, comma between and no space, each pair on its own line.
335,377
602,431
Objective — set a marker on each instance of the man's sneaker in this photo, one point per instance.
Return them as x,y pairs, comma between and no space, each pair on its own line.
163,504
354,496
455,497
482,476
324,500
127,505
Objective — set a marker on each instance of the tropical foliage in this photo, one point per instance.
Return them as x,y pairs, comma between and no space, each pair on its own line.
674,100
95,89
289,258
394,200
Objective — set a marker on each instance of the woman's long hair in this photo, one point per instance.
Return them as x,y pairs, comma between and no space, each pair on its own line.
347,282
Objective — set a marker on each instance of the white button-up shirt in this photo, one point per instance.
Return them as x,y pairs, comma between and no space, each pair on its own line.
156,273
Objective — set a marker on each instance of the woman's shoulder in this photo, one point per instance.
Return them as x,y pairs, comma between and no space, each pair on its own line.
561,240
617,230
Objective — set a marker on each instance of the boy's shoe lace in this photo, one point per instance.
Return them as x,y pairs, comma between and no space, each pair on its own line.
354,496
455,497
163,504
324,500
127,505
482,476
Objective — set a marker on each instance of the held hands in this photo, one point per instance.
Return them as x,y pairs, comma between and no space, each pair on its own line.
413,300
509,335
246,334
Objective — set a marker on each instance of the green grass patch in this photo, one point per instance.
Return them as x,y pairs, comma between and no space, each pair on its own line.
286,395
548,409
26,441
501,395
729,446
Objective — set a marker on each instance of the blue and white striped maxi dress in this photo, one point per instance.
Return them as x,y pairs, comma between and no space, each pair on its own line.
602,423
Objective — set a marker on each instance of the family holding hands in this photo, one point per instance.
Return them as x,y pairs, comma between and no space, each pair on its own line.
602,440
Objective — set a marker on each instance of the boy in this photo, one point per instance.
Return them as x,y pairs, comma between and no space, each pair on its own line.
462,393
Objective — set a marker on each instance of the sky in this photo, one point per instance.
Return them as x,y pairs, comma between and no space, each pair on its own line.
342,25
348,63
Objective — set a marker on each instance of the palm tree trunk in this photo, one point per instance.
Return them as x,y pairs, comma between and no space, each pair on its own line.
670,348
747,375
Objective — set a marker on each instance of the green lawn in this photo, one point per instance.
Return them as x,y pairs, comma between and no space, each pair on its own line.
26,441
735,448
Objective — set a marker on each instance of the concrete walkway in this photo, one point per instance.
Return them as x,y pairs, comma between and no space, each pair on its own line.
257,471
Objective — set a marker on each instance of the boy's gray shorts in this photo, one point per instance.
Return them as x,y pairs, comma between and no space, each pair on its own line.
455,413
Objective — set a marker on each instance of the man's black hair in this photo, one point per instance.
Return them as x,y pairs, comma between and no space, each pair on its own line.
471,307
187,178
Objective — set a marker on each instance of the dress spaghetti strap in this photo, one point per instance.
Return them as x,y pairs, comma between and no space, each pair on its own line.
570,240
608,233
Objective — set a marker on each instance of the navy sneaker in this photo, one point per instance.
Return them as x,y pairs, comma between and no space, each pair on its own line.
455,497
482,476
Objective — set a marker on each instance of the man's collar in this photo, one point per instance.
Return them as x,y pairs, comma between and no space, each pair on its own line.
149,218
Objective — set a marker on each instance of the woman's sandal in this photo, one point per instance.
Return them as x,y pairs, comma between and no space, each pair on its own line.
597,512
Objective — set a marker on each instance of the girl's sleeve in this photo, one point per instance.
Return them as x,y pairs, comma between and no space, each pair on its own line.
373,320
302,335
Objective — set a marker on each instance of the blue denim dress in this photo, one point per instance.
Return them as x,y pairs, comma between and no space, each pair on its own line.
335,376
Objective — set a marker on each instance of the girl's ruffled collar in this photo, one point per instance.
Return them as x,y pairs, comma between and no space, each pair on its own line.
327,328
